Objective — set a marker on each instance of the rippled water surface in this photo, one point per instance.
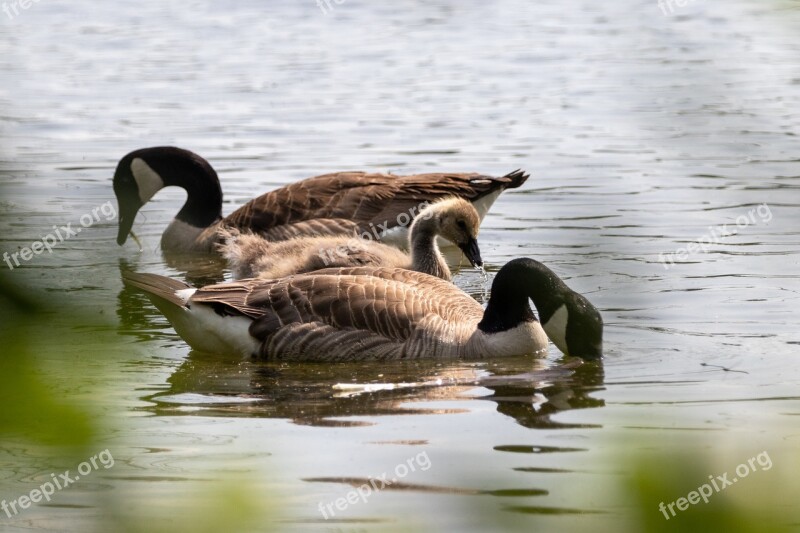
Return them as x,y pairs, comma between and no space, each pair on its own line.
643,134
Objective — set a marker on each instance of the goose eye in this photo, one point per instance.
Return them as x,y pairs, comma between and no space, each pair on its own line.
462,224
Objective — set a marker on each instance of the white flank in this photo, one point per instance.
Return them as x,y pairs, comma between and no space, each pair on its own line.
205,330
483,205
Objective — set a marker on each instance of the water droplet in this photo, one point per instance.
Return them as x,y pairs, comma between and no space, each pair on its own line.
484,283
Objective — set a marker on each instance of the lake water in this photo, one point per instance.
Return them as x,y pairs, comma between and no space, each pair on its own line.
644,133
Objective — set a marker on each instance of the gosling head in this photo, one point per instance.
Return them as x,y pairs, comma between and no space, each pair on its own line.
458,222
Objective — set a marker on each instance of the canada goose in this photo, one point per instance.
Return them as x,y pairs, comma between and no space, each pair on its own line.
250,255
332,204
365,313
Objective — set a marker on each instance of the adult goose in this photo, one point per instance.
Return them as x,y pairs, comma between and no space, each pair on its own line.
455,219
362,313
331,204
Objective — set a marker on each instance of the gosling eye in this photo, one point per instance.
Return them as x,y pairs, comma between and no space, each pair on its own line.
461,224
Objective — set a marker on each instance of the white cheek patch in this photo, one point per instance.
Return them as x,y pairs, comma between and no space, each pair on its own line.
147,180
556,328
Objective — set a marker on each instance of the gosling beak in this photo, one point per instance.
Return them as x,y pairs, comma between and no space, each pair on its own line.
473,253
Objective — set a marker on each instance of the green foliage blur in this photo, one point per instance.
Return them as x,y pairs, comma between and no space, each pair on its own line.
32,410
764,501
37,417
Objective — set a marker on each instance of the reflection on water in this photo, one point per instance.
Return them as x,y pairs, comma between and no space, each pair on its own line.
323,395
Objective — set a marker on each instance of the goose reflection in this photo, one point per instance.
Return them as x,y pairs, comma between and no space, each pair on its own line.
333,394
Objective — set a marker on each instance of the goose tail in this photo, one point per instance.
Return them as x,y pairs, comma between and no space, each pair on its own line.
163,291
493,187
201,326
515,179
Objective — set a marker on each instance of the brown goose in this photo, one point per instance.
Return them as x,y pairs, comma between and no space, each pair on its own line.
250,255
332,204
351,314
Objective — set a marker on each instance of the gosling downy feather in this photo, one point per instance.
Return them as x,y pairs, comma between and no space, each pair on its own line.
455,219
362,313
341,203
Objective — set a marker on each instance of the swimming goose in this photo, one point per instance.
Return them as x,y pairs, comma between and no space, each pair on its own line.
332,204
250,255
363,313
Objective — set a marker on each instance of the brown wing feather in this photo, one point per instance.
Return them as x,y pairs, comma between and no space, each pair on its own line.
361,198
338,313
327,343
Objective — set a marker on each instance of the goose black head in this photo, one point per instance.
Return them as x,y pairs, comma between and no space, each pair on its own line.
142,173
573,324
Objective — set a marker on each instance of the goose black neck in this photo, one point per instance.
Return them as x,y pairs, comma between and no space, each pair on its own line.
196,176
517,282
508,305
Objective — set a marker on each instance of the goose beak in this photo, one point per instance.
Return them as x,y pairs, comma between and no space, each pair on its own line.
127,192
127,213
473,253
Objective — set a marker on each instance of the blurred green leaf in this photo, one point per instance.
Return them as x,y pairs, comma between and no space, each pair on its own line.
32,410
